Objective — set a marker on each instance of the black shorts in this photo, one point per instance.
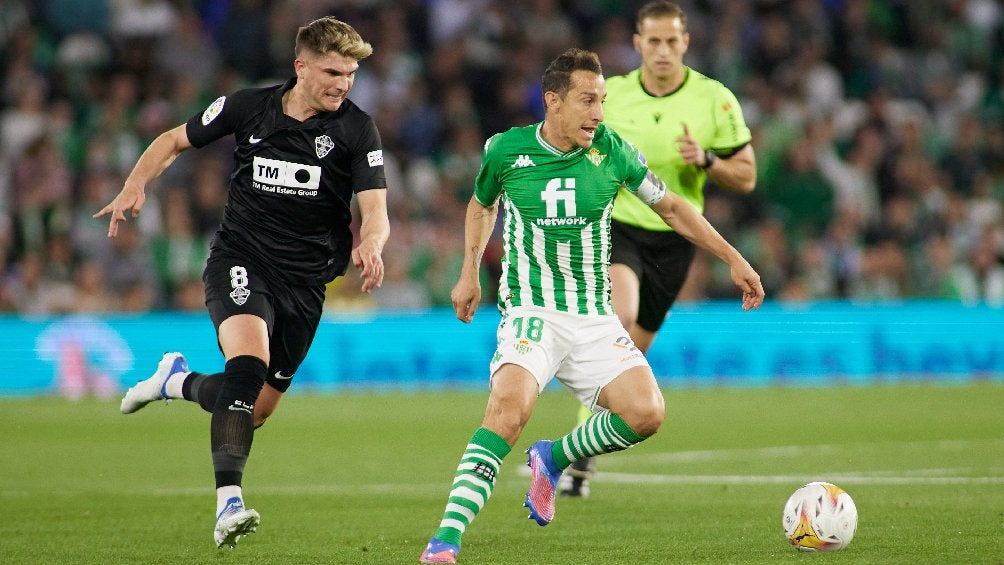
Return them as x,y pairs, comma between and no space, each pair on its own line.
292,313
661,261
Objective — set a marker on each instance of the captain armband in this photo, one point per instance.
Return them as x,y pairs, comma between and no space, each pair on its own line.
651,190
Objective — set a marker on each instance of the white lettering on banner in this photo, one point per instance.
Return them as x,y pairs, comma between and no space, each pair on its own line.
271,173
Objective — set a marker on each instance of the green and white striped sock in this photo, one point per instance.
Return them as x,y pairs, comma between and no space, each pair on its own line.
603,432
473,483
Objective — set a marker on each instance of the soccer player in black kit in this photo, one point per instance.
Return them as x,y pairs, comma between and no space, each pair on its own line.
303,150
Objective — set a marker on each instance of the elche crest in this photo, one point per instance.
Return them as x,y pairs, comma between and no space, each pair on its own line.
323,145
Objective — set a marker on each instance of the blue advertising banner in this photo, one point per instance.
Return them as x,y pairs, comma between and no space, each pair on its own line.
708,344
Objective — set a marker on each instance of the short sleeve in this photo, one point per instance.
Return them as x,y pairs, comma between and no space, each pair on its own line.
488,185
631,162
219,119
730,127
367,161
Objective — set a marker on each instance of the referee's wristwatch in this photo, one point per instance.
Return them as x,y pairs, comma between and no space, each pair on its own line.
709,159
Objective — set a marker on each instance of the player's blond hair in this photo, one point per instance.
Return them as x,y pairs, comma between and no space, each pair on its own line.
328,34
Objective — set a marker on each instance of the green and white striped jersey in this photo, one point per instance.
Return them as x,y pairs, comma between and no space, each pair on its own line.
556,223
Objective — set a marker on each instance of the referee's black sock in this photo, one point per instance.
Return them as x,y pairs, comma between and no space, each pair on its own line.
232,427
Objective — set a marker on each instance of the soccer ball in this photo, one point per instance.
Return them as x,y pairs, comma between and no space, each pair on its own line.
820,517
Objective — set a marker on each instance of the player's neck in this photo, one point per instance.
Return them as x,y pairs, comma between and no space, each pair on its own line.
549,133
294,106
662,86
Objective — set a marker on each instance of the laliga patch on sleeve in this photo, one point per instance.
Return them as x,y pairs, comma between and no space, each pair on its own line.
213,110
375,158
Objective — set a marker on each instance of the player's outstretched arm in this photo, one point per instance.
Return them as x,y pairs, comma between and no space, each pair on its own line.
157,157
374,229
682,217
478,226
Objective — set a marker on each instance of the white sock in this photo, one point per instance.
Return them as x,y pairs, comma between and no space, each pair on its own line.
173,385
223,494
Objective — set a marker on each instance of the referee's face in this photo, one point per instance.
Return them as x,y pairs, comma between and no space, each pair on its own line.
662,42
325,78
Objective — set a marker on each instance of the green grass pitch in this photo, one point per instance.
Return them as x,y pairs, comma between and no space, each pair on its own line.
362,478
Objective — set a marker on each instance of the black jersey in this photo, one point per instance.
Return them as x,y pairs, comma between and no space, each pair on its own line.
288,207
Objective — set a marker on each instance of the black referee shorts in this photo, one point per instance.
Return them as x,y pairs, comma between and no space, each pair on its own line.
292,313
661,261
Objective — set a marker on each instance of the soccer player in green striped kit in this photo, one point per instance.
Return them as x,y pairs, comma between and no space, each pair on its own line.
556,181
664,100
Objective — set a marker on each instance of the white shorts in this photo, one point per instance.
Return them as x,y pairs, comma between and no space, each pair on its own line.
584,352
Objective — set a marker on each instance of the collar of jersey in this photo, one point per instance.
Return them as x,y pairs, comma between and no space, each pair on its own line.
552,149
290,83
686,77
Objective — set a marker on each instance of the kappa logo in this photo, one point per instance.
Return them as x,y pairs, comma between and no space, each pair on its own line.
322,145
523,161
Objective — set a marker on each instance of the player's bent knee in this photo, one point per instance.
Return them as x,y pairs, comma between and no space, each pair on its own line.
243,379
646,420
259,420
508,425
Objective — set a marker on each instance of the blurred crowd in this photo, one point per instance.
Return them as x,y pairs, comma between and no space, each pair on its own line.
878,128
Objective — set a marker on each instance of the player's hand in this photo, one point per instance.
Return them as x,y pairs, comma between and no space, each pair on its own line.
368,260
132,197
749,283
692,153
466,296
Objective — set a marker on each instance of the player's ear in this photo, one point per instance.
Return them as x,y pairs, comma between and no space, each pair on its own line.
552,100
636,40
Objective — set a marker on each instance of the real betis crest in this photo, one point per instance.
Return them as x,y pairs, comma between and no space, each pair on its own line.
322,145
595,157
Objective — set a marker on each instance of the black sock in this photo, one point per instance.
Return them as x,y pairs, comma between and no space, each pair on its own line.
232,427
202,388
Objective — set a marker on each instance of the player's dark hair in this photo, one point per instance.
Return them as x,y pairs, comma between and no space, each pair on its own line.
660,9
558,75
329,34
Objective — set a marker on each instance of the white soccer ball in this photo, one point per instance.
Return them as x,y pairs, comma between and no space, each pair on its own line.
820,517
